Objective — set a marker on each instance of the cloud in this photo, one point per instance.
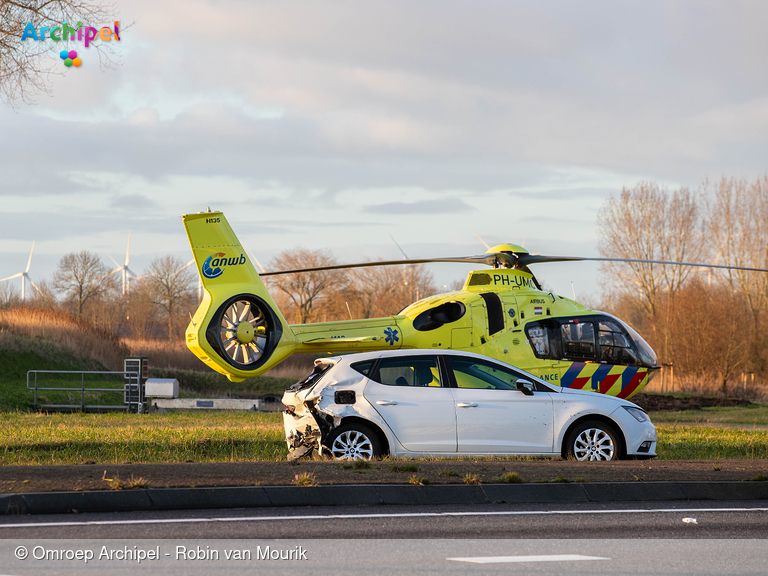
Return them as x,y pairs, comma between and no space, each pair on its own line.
133,202
444,206
301,116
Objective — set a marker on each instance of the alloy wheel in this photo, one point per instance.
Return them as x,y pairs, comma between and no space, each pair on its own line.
352,445
594,444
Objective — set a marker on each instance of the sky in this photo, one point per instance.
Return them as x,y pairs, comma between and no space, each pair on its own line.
339,125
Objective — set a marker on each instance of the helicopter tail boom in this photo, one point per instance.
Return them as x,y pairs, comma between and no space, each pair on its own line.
237,330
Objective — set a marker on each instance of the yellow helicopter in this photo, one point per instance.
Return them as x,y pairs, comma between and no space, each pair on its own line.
500,312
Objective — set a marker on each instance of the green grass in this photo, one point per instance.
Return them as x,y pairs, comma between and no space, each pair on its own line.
508,478
31,438
752,414
77,438
32,355
698,442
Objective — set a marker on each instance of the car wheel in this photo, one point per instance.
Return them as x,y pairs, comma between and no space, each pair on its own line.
353,442
593,441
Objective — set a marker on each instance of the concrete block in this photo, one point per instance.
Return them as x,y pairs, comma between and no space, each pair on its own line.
161,388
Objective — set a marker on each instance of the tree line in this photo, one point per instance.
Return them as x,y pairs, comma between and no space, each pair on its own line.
709,323
159,302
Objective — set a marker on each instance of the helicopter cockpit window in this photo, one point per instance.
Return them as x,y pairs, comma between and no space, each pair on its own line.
615,347
578,340
641,347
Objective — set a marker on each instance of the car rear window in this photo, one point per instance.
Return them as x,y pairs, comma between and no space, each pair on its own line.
313,377
363,367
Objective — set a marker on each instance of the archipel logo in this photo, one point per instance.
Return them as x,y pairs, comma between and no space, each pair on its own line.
214,265
69,34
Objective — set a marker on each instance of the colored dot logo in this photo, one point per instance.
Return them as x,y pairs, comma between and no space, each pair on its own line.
70,58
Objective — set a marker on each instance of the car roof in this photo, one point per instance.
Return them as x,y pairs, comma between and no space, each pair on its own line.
360,356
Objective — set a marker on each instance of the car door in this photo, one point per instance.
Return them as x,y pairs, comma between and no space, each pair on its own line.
492,416
411,395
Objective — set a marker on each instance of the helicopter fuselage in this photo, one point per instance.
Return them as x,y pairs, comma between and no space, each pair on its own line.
502,314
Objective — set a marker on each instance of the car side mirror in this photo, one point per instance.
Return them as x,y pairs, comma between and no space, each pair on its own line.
525,386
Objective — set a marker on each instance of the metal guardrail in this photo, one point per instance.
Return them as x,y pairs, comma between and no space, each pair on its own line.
130,386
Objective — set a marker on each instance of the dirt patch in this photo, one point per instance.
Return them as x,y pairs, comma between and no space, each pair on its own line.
659,402
15,479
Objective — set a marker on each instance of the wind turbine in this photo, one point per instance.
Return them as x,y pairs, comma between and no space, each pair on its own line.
199,280
25,276
127,272
408,266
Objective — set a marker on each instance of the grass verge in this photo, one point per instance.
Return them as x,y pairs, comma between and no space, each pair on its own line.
129,438
752,414
32,438
697,442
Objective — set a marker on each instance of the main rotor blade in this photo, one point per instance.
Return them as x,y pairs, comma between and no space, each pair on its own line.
527,259
29,262
488,259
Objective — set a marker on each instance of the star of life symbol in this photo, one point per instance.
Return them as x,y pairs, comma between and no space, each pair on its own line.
390,336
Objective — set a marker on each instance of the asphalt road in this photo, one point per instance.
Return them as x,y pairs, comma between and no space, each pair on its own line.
629,520
387,557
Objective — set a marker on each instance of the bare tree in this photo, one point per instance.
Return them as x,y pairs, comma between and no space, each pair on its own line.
25,66
737,223
648,222
81,277
10,296
383,291
45,296
169,286
308,290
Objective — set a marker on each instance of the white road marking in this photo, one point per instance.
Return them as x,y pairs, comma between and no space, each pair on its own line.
510,559
356,516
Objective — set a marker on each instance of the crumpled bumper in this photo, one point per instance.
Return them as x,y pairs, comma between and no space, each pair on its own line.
303,435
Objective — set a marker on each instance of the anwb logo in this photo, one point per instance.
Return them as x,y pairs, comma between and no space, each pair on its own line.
214,265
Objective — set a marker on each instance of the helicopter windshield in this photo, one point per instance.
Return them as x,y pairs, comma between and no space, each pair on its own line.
589,338
647,355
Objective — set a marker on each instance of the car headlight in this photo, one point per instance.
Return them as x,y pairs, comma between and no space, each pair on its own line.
639,415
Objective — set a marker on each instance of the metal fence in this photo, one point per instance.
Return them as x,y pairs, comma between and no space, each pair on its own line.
131,387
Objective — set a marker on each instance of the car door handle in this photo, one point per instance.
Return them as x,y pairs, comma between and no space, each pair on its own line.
471,405
386,403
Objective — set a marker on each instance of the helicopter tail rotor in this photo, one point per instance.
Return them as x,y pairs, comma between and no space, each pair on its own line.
237,329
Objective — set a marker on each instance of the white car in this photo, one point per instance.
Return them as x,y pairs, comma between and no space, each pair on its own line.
427,403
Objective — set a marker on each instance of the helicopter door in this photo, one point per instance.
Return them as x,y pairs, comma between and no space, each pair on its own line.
470,337
539,345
